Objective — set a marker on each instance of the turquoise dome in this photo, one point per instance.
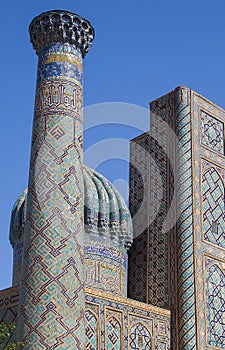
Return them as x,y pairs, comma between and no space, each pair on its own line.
107,234
105,211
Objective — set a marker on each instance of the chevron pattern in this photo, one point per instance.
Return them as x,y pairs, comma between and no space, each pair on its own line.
186,300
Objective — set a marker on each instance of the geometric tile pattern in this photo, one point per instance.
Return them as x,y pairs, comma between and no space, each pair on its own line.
113,334
186,292
8,316
128,324
212,132
149,190
160,201
158,239
168,257
149,202
113,329
162,327
92,326
213,206
215,294
105,246
51,309
141,332
91,330
162,240
110,321
162,346
108,233
9,307
17,235
138,254
163,129
140,338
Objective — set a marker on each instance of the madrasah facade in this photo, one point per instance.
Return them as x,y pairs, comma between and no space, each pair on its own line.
89,273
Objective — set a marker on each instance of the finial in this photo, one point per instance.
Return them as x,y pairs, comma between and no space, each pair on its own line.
61,26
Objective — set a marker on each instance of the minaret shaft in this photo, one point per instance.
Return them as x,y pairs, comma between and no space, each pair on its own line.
51,311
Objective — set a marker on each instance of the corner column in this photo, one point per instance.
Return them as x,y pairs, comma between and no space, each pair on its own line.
51,309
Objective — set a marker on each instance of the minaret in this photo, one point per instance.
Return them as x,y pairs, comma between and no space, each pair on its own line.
51,309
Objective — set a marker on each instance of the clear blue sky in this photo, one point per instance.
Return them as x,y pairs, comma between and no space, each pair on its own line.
142,50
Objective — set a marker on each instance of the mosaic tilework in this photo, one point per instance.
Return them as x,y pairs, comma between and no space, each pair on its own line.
170,257
92,327
140,338
139,204
158,239
212,132
186,293
17,235
137,288
105,210
155,165
52,293
213,203
113,329
108,233
142,326
149,203
158,245
162,130
215,294
105,276
105,247
9,306
162,346
161,195
91,330
205,161
139,323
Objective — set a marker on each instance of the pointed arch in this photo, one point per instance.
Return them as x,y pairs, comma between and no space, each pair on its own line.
140,338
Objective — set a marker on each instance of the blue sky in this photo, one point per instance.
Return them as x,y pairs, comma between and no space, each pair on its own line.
142,50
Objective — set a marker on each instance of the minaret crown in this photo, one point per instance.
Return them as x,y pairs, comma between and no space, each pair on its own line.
61,26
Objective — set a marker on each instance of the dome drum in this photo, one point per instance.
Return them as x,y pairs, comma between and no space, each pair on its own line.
107,234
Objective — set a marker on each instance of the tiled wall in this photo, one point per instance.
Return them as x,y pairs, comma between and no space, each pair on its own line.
189,261
110,322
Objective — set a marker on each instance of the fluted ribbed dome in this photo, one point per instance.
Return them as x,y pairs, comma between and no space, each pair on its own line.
105,211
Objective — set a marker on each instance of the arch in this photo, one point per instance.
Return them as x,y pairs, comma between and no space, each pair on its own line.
213,207
140,338
215,293
113,333
91,330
